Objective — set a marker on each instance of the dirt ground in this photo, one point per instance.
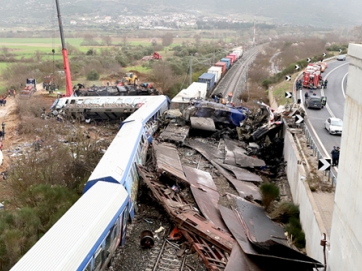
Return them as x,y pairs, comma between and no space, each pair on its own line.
12,140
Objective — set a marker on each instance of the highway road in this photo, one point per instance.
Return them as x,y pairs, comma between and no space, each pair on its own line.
336,73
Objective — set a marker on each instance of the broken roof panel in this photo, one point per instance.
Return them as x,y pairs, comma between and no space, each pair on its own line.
239,261
175,133
259,228
245,189
242,174
205,193
168,160
208,151
299,262
241,158
199,178
206,124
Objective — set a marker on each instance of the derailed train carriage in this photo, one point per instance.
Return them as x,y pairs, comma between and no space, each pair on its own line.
86,237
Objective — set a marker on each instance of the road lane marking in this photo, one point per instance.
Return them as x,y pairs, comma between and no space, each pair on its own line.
343,92
322,90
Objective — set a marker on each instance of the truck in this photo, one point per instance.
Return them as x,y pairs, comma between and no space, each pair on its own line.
312,76
29,89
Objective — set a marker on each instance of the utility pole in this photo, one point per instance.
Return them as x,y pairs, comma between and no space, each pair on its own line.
254,33
191,70
213,58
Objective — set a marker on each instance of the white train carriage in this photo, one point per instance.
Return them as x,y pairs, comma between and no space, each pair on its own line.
86,236
129,147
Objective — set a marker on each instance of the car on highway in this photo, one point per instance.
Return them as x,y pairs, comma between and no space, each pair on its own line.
314,102
334,126
341,57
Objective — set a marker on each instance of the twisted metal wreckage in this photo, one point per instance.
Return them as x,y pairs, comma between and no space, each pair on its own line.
239,236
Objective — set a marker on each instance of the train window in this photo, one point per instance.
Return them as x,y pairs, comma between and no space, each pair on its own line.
108,240
95,101
98,259
71,102
89,266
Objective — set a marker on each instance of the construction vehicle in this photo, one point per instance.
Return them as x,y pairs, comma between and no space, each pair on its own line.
130,78
29,88
155,56
312,76
68,79
48,80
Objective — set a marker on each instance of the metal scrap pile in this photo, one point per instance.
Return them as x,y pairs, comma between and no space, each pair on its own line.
234,235
292,114
259,123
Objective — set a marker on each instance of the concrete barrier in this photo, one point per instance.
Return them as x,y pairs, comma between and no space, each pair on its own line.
309,215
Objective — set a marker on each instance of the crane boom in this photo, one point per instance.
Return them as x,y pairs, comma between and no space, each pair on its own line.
68,79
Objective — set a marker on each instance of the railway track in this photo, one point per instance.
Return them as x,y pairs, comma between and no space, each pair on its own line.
167,256
235,79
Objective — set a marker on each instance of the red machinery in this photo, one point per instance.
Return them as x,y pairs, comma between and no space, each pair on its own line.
312,76
68,79
155,55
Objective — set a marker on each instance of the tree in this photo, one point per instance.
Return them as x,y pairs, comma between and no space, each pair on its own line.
38,56
107,40
5,50
71,49
93,75
167,39
124,40
162,73
197,38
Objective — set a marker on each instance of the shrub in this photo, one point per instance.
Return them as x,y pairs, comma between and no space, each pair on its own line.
294,229
284,212
269,193
93,75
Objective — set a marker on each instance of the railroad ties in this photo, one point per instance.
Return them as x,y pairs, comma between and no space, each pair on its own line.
168,256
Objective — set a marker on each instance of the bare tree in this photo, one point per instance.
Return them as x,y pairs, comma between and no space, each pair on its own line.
124,40
88,38
167,39
38,56
163,74
5,50
107,40
197,38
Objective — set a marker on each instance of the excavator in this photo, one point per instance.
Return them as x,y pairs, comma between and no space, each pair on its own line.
130,78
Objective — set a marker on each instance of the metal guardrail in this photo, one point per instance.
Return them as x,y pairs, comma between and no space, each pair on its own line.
316,152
